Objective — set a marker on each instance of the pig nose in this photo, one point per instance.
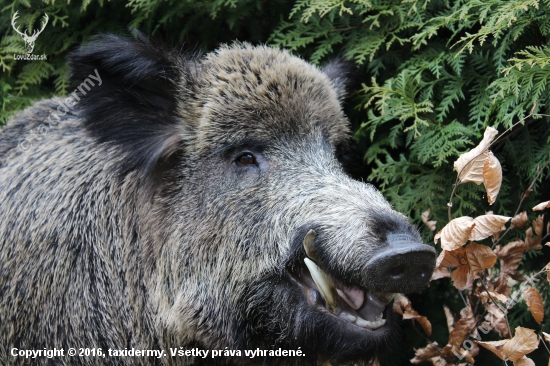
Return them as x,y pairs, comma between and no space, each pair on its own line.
405,266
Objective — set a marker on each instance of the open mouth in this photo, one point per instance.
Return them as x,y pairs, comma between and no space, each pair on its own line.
355,305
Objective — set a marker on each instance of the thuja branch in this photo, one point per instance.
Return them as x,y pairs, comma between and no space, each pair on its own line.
523,196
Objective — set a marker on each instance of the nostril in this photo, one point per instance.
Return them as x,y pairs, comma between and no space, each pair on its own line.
397,271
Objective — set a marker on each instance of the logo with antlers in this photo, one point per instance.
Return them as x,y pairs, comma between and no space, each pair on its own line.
29,40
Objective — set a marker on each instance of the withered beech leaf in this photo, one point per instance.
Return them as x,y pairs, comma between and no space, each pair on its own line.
402,305
524,361
487,225
437,236
534,302
494,346
461,277
480,257
450,318
520,220
456,233
462,328
456,258
469,166
524,341
422,320
440,272
492,177
497,320
547,269
500,297
542,206
430,224
424,354
450,259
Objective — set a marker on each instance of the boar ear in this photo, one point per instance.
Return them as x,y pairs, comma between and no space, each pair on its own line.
341,73
126,90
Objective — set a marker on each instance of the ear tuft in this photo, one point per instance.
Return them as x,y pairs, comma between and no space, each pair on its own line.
341,73
127,93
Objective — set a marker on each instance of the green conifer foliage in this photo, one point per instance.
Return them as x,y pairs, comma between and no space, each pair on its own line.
436,73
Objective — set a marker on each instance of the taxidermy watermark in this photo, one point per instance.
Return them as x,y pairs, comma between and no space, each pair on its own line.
64,106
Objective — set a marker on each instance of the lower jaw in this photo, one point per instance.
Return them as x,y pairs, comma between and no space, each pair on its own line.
345,343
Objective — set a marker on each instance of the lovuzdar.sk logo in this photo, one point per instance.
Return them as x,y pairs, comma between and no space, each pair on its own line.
29,39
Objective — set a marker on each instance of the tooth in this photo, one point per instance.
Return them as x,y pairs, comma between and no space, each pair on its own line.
362,322
324,284
370,325
308,244
348,317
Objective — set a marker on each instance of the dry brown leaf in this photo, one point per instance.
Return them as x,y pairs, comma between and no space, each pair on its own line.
422,320
494,346
462,328
456,233
457,258
497,320
450,318
532,242
424,354
430,224
437,236
402,305
547,269
525,341
451,259
502,298
485,297
461,277
537,224
468,356
492,177
469,166
524,361
511,248
534,301
440,272
510,256
542,206
487,225
501,284
520,220
480,257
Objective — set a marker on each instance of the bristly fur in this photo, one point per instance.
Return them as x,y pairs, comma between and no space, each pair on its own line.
94,254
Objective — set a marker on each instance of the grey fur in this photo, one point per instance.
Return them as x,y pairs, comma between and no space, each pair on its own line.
192,252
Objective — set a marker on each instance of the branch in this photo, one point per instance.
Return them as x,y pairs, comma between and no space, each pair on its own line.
523,196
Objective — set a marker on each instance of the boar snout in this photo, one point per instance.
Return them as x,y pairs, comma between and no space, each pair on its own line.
405,265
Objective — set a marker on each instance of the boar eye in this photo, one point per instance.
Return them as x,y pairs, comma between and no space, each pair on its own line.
246,159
